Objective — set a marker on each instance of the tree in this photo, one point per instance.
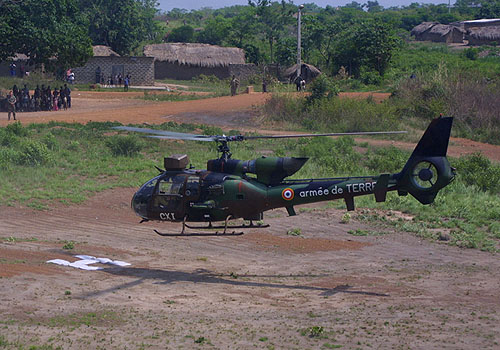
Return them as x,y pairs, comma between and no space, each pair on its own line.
272,19
369,44
243,26
182,34
47,31
373,6
216,31
120,24
489,9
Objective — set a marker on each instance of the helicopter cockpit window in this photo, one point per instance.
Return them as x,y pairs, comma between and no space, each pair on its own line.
171,185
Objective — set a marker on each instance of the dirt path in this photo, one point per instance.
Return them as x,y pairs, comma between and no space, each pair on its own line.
236,112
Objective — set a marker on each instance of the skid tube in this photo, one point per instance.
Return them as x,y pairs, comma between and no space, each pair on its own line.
203,234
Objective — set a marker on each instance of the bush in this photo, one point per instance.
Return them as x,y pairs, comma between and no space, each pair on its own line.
322,87
478,170
17,129
124,145
471,53
50,141
370,77
8,156
33,153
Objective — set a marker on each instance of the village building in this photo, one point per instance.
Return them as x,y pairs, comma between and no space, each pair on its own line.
308,72
436,32
482,31
483,36
107,64
184,61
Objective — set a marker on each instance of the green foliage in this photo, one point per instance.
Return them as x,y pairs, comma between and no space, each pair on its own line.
127,146
477,170
40,29
294,232
322,87
216,31
333,115
370,44
121,24
471,53
183,34
33,153
69,245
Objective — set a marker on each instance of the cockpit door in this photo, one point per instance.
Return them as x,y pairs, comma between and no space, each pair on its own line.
168,200
192,188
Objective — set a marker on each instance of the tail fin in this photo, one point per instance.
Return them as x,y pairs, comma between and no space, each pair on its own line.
428,170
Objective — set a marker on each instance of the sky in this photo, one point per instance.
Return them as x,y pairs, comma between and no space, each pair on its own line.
167,5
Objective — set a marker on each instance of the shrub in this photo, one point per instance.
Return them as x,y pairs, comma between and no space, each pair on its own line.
478,170
471,53
127,146
33,153
8,156
17,129
50,141
322,87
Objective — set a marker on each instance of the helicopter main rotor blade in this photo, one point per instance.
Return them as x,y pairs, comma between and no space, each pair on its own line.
168,134
327,134
194,138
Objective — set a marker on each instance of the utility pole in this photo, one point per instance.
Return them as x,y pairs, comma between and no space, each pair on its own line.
299,49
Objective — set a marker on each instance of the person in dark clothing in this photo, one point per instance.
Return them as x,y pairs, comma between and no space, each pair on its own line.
67,93
11,105
62,99
48,98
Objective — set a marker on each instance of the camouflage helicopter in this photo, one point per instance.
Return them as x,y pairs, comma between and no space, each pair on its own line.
244,189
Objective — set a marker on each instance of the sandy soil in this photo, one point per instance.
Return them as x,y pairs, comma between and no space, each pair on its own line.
263,290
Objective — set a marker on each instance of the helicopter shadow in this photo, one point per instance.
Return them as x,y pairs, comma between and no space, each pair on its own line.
165,277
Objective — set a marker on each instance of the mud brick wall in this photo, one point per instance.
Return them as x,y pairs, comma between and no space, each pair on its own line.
243,71
167,70
141,69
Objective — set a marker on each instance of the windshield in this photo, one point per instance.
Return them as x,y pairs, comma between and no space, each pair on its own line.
142,196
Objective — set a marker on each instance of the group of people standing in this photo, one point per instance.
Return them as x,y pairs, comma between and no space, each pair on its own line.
43,99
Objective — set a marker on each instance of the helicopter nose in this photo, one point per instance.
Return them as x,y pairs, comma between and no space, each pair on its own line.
140,201
140,205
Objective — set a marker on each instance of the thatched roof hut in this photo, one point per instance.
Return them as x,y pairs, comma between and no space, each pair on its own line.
483,35
433,31
309,72
422,28
103,51
201,55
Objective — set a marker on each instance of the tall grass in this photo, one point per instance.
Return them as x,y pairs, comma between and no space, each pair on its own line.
332,114
473,100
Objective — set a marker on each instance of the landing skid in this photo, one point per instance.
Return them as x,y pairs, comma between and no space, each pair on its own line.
209,227
198,234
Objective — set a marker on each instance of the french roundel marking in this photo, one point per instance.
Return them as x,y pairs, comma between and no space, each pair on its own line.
287,194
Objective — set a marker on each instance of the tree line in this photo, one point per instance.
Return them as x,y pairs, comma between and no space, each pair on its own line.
60,33
361,37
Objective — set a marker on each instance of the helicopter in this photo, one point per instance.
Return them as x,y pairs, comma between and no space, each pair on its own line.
232,189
